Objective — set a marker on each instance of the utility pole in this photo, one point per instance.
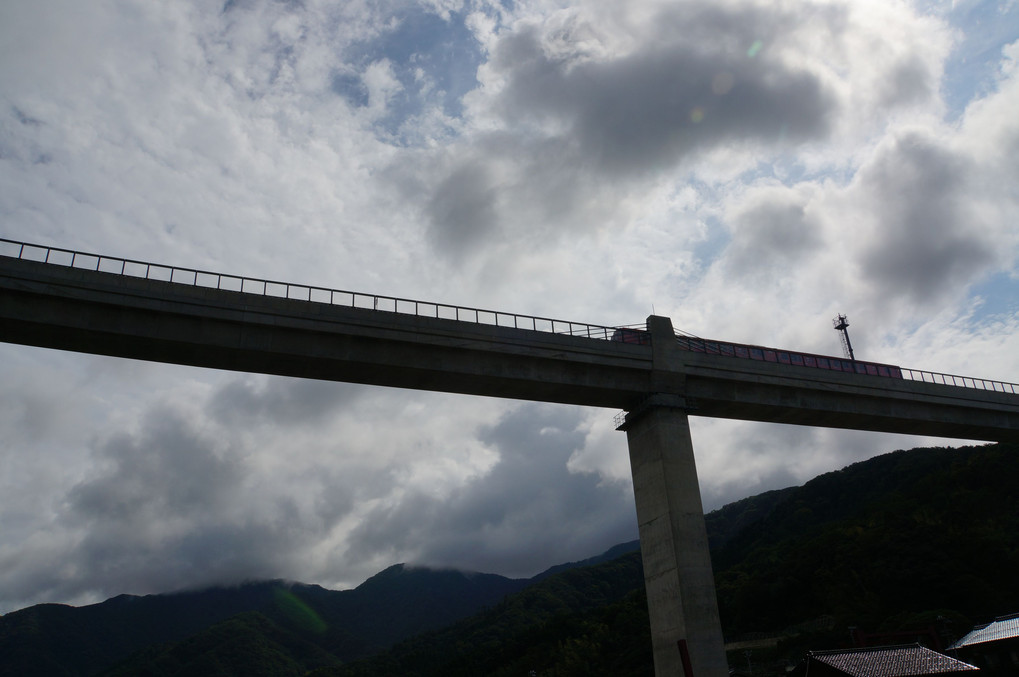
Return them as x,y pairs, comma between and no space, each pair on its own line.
842,326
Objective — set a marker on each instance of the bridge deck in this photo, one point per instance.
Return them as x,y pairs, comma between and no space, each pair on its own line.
70,308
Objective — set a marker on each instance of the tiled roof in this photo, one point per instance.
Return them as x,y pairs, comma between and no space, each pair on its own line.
1006,627
890,661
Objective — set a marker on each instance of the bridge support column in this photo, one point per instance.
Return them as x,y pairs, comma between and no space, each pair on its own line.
685,629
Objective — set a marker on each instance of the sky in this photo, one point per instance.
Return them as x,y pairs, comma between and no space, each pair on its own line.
748,168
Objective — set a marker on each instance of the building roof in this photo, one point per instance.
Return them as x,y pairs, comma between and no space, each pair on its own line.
890,661
1005,627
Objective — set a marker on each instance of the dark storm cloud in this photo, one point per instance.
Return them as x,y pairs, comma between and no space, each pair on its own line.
929,242
286,401
173,506
527,513
462,210
574,130
170,470
697,83
770,236
155,513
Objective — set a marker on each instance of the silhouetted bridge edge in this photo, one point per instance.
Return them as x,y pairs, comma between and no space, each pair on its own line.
90,303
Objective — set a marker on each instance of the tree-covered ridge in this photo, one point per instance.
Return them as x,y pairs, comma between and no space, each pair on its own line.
886,544
732,519
56,639
912,530
53,639
246,644
582,617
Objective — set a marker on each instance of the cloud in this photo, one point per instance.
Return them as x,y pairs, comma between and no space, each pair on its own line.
527,508
429,56
462,209
745,168
170,471
670,98
919,223
736,459
573,123
772,231
169,507
253,400
181,502
926,244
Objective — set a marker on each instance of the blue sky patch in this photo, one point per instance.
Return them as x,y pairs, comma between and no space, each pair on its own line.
435,61
972,70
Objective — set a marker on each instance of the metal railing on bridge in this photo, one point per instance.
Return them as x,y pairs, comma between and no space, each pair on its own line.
298,292
798,359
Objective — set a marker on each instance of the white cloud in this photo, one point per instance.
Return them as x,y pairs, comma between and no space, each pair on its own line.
745,168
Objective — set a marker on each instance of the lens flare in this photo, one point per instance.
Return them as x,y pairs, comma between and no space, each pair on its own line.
722,83
298,612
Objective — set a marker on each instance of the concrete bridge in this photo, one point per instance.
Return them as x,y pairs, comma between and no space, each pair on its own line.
67,300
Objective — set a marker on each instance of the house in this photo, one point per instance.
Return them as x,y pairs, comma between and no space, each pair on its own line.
994,647
907,660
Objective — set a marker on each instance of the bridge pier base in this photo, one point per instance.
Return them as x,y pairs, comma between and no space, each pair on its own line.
685,629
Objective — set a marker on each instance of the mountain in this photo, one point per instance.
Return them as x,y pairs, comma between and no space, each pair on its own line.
247,644
883,545
892,546
588,621
934,528
52,639
55,639
607,556
732,519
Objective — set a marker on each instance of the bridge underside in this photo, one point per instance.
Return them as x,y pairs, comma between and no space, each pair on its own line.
842,401
319,352
81,310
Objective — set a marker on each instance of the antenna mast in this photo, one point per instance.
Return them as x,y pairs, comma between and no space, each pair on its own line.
842,326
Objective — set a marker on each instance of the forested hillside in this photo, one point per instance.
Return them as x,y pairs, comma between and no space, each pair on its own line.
908,531
275,616
883,545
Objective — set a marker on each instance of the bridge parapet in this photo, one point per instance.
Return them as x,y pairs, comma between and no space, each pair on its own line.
69,300
300,292
836,364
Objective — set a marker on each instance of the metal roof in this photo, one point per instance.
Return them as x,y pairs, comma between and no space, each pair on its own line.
890,661
1005,627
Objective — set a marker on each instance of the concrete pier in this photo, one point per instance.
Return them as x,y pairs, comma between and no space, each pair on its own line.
674,543
686,632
